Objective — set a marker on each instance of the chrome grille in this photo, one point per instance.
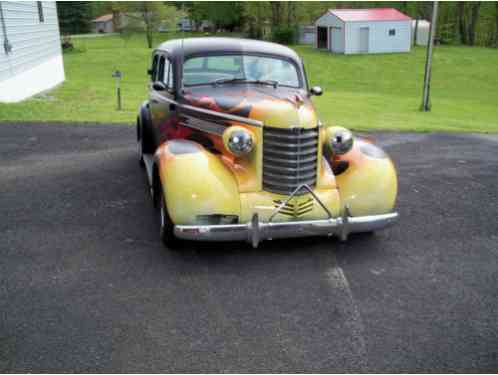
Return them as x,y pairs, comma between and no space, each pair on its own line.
289,159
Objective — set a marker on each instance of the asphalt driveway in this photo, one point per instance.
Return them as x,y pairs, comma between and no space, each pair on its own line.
86,286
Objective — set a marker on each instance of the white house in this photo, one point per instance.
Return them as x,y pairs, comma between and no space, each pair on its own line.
350,31
30,49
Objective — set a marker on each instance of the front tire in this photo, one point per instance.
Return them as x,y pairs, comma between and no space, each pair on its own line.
140,153
166,231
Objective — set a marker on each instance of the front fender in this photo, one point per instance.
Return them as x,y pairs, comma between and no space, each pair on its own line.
195,182
369,185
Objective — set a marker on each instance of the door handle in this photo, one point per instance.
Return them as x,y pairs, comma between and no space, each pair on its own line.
172,107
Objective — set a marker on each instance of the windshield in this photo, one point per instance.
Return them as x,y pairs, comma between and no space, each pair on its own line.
225,69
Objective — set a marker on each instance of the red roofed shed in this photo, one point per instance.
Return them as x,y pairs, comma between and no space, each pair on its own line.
350,31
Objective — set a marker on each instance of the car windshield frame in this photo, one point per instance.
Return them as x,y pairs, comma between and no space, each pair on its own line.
299,71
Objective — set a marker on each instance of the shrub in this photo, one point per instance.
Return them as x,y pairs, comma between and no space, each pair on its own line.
284,35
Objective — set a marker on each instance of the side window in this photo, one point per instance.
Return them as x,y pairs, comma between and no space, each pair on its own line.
170,76
40,11
153,76
160,72
166,71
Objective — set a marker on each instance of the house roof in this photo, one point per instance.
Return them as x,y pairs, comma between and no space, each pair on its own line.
104,18
374,14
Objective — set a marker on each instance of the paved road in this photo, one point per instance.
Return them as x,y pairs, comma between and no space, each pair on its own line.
86,286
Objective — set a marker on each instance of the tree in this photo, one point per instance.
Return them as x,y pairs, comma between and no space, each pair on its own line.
475,7
74,17
467,27
223,15
496,29
462,26
276,13
144,16
291,14
255,16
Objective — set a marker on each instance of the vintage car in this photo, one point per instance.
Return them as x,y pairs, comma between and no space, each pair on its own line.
234,149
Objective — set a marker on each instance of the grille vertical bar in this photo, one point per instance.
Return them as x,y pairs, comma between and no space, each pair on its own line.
289,158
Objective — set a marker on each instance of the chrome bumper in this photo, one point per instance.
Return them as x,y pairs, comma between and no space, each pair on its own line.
256,231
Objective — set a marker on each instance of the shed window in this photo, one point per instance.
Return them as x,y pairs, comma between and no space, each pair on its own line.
40,11
392,32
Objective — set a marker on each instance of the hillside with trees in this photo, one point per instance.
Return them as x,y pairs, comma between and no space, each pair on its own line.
467,23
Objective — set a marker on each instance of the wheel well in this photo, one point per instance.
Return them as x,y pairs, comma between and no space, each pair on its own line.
145,131
138,129
156,185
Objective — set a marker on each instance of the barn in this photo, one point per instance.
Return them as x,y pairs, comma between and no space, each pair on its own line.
351,31
104,24
30,49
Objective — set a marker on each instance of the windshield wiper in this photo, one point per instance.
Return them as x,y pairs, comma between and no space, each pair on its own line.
221,81
269,82
245,80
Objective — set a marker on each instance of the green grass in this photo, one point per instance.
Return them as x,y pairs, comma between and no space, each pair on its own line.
361,92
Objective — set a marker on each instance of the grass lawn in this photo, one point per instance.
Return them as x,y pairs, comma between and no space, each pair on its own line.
361,92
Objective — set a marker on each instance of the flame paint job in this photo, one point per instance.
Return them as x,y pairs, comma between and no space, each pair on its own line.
213,181
282,107
198,183
369,185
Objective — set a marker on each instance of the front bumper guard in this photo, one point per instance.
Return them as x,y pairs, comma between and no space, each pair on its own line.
255,231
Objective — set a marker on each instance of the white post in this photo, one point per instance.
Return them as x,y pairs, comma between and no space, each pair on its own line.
428,62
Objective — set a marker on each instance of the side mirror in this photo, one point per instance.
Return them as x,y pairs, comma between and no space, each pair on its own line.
316,90
149,72
159,86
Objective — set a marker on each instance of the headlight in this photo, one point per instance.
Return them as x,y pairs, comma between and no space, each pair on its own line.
339,140
238,140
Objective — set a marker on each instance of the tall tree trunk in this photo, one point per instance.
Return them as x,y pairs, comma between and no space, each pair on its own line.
148,33
276,13
259,21
116,24
148,23
462,26
290,13
473,22
496,31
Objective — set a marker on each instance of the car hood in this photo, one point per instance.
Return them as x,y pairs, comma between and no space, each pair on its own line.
277,107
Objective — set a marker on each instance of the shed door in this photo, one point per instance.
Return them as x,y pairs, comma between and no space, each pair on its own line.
335,39
364,31
321,37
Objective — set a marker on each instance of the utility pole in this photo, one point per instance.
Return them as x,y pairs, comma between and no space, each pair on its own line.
428,62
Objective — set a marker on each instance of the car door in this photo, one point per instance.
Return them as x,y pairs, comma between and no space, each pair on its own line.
161,98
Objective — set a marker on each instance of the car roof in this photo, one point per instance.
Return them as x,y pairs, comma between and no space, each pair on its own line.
207,45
